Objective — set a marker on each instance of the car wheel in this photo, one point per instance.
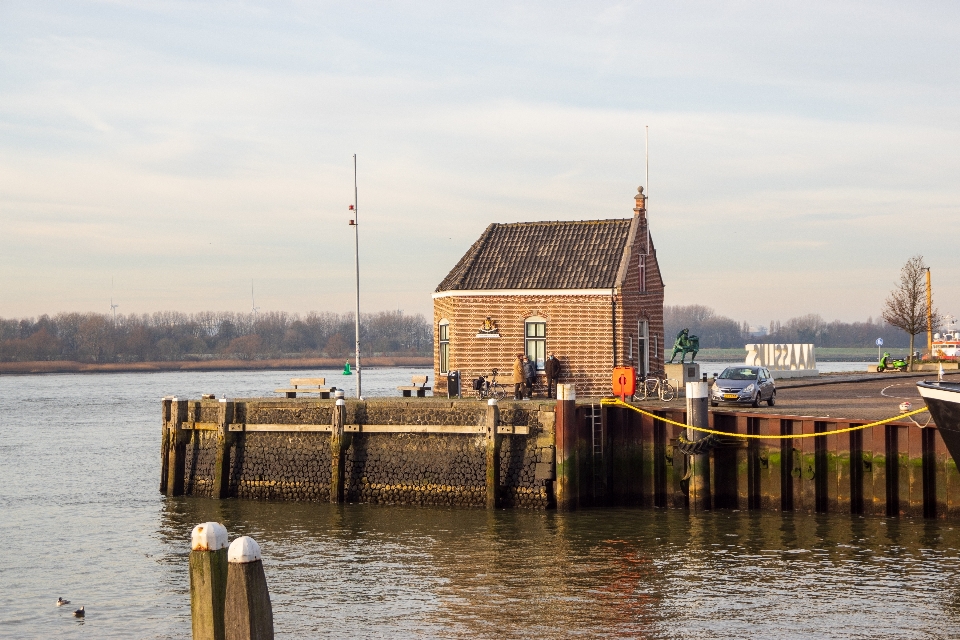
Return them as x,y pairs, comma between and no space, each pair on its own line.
756,400
773,399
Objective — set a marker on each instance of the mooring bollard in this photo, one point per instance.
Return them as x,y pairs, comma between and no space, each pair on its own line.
697,416
208,580
248,614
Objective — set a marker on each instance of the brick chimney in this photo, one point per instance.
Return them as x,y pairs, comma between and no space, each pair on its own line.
641,208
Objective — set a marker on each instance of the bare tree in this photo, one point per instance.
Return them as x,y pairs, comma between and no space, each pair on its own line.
906,306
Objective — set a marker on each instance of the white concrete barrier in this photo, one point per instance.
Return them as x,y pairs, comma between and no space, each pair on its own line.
783,360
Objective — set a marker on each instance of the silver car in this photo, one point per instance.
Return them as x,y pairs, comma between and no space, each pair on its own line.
744,385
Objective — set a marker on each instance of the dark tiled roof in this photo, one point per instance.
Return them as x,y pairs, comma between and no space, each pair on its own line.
543,255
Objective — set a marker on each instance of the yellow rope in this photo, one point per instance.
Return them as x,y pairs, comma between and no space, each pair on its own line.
616,402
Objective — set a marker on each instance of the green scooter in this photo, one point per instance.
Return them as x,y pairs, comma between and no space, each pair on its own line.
885,363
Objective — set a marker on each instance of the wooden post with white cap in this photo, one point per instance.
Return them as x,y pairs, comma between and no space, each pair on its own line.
337,449
698,416
248,614
565,486
208,580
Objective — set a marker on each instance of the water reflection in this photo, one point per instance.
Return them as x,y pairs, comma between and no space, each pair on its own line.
372,570
79,467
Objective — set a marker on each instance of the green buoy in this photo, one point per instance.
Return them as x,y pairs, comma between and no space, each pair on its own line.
346,369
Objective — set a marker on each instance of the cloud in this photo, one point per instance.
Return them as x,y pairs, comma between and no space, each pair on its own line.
184,150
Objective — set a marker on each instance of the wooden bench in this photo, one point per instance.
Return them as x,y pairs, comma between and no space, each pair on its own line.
307,385
418,385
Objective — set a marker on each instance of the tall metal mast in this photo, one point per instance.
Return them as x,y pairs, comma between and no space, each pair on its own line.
356,252
646,179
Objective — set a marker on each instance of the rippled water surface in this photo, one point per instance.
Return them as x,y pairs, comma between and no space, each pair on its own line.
80,517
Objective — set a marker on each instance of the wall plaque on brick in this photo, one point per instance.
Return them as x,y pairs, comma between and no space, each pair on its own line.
489,329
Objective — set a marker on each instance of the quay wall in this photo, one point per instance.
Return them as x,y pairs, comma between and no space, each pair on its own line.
421,451
541,455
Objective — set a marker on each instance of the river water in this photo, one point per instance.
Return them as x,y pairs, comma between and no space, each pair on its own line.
81,518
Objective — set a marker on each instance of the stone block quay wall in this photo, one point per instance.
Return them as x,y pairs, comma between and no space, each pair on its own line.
567,455
391,451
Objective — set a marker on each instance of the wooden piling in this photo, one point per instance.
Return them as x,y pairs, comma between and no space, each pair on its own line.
739,458
493,454
805,486
769,465
753,464
929,456
838,446
824,480
337,450
789,466
697,416
891,467
566,415
165,442
874,471
248,614
176,441
911,468
728,476
662,461
221,468
678,464
208,580
649,468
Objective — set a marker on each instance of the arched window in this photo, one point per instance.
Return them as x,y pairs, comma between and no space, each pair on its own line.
535,340
444,334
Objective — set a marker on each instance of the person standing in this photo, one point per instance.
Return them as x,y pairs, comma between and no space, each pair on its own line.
529,375
519,377
551,368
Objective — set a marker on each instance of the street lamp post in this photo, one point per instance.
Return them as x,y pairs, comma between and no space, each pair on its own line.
355,223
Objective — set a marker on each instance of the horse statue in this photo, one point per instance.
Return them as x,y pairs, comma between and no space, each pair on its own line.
685,344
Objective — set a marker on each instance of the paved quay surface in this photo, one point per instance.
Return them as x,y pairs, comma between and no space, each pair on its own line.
861,397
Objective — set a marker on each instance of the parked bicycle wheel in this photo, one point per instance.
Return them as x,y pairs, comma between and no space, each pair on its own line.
498,392
667,391
651,389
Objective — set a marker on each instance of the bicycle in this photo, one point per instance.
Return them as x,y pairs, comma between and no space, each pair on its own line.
489,388
655,387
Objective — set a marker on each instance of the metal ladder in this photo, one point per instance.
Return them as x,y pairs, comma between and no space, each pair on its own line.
596,429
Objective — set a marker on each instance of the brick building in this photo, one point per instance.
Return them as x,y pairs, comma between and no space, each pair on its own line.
590,292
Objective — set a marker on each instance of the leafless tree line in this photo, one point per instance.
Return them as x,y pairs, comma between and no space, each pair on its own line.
719,331
170,335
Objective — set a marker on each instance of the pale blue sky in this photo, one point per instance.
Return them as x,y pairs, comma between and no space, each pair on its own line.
798,155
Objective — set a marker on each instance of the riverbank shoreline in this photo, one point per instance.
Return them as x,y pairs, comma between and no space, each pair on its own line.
68,366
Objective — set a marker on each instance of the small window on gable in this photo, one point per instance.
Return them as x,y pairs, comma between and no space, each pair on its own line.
535,340
444,335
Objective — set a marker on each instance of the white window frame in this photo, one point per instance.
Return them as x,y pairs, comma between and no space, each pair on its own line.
643,347
538,342
443,345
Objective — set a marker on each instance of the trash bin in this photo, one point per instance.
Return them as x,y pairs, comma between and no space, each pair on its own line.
453,384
